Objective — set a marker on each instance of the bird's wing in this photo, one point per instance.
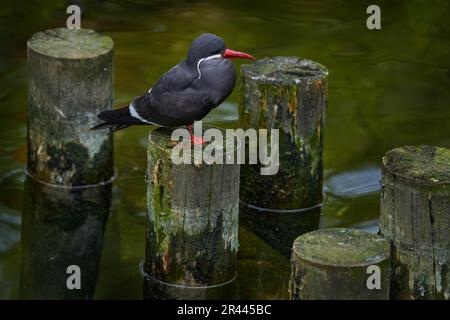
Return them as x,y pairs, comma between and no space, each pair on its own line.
174,108
176,79
175,99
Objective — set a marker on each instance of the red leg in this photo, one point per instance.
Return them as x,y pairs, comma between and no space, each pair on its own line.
194,139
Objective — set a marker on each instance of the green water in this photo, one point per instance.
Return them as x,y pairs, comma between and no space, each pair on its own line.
387,88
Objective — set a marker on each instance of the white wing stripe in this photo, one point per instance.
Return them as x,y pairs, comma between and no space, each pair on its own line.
136,115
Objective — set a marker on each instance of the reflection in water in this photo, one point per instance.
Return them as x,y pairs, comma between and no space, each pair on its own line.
153,290
369,226
277,228
61,227
355,183
262,272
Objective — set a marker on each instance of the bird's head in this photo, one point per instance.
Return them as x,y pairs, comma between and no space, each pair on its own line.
209,45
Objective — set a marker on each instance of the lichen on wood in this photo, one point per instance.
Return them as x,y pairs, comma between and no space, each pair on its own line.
70,81
70,43
192,218
289,94
420,163
332,264
415,218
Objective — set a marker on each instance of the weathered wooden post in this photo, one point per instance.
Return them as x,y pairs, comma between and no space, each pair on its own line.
62,227
289,94
340,264
192,223
70,81
415,218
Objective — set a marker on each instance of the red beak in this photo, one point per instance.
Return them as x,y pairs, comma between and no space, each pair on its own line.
236,54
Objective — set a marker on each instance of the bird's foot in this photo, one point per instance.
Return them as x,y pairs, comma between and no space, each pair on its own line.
198,140
194,139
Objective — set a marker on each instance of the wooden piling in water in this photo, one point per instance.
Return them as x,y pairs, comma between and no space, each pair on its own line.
332,264
289,94
415,218
192,223
70,81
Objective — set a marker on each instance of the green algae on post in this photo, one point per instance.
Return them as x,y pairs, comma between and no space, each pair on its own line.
419,163
335,264
415,218
192,221
70,81
289,94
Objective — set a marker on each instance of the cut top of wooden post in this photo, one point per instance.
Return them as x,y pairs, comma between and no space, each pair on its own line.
70,44
284,70
341,247
422,164
160,138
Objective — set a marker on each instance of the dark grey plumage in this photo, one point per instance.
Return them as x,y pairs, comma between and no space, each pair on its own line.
184,94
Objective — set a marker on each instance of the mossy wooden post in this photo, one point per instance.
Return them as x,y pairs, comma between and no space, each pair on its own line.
289,94
70,81
415,217
61,227
192,222
334,264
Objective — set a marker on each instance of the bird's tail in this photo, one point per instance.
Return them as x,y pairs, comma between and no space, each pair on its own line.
107,125
116,119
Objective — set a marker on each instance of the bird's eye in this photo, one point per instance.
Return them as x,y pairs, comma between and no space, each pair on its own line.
217,51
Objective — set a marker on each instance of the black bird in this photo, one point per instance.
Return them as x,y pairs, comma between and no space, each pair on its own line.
184,94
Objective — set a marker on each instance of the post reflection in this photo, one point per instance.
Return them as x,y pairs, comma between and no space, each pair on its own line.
60,228
280,228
